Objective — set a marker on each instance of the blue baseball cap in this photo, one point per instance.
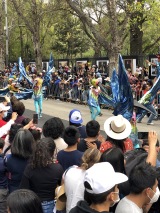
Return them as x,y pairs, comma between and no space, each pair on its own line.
75,116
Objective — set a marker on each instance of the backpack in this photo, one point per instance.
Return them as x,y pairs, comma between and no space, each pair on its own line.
133,158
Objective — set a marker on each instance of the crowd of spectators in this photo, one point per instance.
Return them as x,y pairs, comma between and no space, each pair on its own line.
98,174
93,169
73,83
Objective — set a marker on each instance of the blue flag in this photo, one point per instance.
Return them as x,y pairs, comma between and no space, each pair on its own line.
23,73
104,98
115,86
51,62
124,104
150,95
47,77
24,95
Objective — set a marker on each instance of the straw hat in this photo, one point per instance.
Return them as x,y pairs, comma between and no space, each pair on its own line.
117,127
60,198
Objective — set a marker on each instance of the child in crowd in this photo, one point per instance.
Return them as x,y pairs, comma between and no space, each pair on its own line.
91,141
70,156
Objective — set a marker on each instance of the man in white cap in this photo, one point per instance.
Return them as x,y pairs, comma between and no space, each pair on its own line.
101,189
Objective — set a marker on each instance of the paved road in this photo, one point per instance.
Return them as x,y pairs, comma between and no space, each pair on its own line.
61,109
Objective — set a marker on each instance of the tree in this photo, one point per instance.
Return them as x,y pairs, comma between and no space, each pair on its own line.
70,38
108,23
111,34
151,28
33,14
142,12
2,35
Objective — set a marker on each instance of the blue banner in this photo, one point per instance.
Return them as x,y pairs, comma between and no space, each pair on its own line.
115,86
124,104
47,77
51,62
23,73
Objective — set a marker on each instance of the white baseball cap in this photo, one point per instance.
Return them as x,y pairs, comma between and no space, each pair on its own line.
101,177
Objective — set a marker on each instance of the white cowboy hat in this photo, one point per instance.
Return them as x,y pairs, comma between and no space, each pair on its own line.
117,127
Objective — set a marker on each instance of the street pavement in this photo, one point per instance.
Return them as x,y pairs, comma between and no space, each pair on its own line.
57,108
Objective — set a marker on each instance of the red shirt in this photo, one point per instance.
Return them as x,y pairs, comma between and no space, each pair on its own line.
2,123
107,145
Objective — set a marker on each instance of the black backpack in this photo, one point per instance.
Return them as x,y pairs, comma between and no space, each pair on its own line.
133,158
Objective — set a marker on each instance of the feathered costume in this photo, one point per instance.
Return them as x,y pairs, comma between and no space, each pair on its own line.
121,99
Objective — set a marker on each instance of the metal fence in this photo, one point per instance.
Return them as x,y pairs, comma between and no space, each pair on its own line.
79,95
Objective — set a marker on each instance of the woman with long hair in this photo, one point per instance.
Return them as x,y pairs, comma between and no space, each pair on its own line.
73,178
21,150
42,174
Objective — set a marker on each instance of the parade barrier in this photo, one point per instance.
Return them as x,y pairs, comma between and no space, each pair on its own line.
65,93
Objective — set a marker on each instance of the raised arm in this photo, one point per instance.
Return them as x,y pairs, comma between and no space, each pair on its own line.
152,152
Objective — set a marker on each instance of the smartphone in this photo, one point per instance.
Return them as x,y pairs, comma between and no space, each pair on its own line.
142,135
35,118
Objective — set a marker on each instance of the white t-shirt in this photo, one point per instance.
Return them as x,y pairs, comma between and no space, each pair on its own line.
4,129
127,206
74,187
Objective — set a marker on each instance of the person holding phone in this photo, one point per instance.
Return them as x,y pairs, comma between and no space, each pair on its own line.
38,94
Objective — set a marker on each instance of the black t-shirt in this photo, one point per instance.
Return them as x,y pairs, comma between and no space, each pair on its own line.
82,131
43,181
83,207
82,146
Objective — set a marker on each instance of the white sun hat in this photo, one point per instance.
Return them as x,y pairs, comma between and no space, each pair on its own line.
117,127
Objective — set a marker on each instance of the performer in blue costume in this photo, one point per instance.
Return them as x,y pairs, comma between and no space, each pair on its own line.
148,98
38,94
121,99
93,99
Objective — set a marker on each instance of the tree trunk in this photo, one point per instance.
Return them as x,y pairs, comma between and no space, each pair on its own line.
21,40
97,50
37,51
113,62
112,40
2,58
136,35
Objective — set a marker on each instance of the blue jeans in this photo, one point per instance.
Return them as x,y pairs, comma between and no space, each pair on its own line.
38,104
94,112
48,206
151,117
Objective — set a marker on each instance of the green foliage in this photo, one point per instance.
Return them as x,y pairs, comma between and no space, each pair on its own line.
62,33
69,37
